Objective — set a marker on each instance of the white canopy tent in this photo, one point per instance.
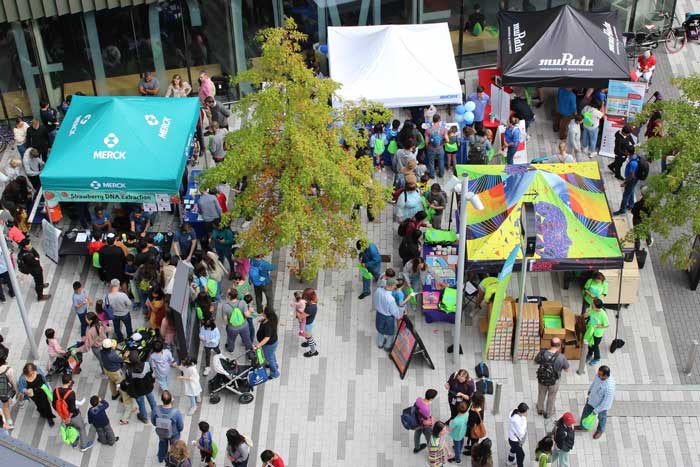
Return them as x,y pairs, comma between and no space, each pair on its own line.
397,65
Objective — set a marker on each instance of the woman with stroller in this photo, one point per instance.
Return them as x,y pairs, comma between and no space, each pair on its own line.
32,384
138,383
267,339
96,333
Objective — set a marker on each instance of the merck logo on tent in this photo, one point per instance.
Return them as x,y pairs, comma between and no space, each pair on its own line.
80,119
151,119
111,140
609,31
518,38
567,59
95,185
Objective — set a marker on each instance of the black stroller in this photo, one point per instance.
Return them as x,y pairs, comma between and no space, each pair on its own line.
69,363
237,378
142,341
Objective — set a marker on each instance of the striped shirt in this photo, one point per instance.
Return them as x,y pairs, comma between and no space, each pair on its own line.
601,394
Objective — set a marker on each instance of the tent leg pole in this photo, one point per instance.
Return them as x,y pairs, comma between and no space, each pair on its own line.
619,299
452,198
518,319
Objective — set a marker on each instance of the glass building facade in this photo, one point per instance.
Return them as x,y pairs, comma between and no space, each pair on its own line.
62,48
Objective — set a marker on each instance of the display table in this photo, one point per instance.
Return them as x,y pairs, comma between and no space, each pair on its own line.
189,203
443,263
71,247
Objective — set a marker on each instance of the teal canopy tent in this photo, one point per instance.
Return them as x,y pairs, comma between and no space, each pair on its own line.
120,149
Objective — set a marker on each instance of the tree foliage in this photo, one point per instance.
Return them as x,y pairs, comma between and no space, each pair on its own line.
674,196
303,184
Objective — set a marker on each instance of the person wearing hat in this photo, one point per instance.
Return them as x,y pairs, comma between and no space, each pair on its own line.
623,139
646,63
564,436
29,259
112,260
387,312
112,364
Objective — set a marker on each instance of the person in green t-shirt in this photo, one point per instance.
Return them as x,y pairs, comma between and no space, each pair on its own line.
458,430
595,287
597,324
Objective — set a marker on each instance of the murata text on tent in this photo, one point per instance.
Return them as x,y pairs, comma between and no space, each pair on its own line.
567,59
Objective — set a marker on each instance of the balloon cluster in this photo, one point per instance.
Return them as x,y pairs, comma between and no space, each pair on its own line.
465,113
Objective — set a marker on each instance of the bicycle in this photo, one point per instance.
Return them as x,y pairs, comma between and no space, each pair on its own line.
689,30
650,36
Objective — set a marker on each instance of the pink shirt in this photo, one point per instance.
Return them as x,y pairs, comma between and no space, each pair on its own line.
424,409
55,350
300,306
206,89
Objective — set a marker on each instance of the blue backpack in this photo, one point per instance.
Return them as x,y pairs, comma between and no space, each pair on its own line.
409,417
255,277
436,135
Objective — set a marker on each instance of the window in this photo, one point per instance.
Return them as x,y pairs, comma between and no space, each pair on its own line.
15,99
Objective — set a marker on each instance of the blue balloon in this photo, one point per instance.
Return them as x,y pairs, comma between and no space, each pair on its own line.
460,118
323,49
460,110
469,118
470,106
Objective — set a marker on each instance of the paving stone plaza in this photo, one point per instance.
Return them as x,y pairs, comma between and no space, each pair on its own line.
343,408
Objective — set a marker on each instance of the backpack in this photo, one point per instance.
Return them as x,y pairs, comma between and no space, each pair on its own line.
212,288
546,373
482,370
436,135
22,264
393,145
164,424
237,318
477,152
61,405
69,434
403,227
378,147
642,171
6,389
255,276
170,461
409,417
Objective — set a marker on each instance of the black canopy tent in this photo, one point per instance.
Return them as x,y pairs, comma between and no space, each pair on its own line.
560,47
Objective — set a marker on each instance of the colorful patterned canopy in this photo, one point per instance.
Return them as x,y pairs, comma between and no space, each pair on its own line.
574,226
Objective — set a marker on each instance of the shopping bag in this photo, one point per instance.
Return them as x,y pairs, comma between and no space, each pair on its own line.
589,421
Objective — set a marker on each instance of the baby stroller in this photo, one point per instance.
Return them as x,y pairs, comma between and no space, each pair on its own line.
69,363
142,341
239,379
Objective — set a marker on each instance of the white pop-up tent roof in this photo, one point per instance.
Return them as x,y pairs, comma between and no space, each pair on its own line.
397,65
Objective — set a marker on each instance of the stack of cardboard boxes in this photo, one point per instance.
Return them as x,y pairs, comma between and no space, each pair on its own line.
567,331
501,347
529,337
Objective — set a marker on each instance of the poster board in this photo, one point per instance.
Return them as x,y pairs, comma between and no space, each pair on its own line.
625,101
407,344
50,240
500,103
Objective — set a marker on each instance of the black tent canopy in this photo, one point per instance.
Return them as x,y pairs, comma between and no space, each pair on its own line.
561,47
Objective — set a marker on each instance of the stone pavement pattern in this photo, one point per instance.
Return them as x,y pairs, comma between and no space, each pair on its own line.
342,408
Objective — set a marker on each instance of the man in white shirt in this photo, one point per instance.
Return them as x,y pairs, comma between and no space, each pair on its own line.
20,134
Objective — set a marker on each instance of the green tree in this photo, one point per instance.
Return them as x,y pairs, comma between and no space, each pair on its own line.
303,184
673,196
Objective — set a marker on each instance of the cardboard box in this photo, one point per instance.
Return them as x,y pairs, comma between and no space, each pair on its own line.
630,283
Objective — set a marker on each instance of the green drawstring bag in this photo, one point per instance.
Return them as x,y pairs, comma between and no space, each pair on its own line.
47,390
588,335
491,153
412,300
96,260
69,434
440,237
364,272
589,421
214,450
448,301
429,212
261,356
